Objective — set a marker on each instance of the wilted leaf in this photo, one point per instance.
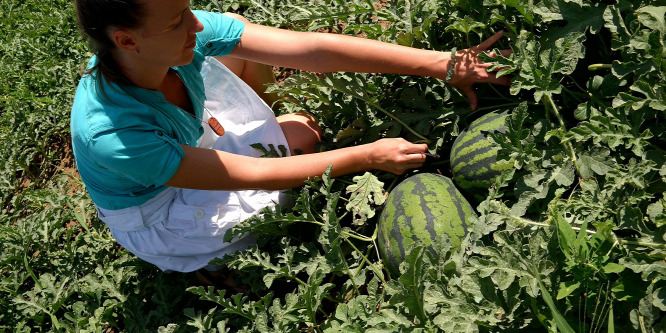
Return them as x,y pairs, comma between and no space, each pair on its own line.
366,192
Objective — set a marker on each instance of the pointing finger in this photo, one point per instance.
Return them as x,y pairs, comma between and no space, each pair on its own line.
471,96
490,41
504,53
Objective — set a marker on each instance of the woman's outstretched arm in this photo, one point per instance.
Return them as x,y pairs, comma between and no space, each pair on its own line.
208,169
320,52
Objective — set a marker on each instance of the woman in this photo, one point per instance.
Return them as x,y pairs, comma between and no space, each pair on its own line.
138,114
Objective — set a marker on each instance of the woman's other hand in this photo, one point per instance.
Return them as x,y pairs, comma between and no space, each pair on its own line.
469,69
396,155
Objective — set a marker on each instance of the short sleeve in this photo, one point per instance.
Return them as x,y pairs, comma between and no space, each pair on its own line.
220,35
148,157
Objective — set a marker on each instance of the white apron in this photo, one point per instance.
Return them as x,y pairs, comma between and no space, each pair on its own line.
182,229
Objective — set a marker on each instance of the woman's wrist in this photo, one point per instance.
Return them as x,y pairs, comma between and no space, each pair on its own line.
451,66
365,156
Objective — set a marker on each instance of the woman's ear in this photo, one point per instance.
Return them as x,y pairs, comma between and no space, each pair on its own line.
125,40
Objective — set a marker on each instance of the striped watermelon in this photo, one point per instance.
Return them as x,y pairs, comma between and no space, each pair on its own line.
419,209
473,159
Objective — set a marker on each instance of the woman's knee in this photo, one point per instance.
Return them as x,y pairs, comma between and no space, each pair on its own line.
301,130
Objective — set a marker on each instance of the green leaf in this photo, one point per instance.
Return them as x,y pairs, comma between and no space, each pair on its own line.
466,25
366,191
659,298
389,318
271,152
579,18
566,288
613,268
656,212
627,289
409,288
649,267
594,162
565,235
653,17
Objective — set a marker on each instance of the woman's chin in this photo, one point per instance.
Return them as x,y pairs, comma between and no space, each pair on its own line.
185,59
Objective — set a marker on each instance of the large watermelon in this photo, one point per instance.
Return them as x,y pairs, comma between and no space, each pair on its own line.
473,159
419,209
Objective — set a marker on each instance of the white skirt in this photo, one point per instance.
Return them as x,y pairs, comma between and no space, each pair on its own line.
182,229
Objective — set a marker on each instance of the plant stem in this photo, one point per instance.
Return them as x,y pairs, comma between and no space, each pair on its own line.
365,259
351,277
298,280
567,145
595,67
572,93
619,240
32,274
356,235
637,243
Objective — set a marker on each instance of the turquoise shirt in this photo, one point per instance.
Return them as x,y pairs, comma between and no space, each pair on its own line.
127,145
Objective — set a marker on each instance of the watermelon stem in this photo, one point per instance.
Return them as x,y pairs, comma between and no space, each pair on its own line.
355,235
567,145
351,277
595,67
637,243
525,221
367,261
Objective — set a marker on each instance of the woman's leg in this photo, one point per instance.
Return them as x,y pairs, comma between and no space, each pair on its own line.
302,132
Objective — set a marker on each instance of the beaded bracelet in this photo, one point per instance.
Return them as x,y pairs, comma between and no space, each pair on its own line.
452,65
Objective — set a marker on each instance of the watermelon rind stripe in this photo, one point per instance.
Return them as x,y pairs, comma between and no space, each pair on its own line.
395,233
460,206
489,122
458,146
486,166
478,157
426,204
488,118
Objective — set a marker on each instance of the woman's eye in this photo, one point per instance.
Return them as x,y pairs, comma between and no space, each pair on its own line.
175,25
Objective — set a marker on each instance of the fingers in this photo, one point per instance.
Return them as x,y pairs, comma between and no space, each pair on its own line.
504,53
416,148
490,41
414,157
471,96
491,77
415,153
476,71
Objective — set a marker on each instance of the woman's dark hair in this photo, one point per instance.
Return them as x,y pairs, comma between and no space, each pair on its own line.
95,17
